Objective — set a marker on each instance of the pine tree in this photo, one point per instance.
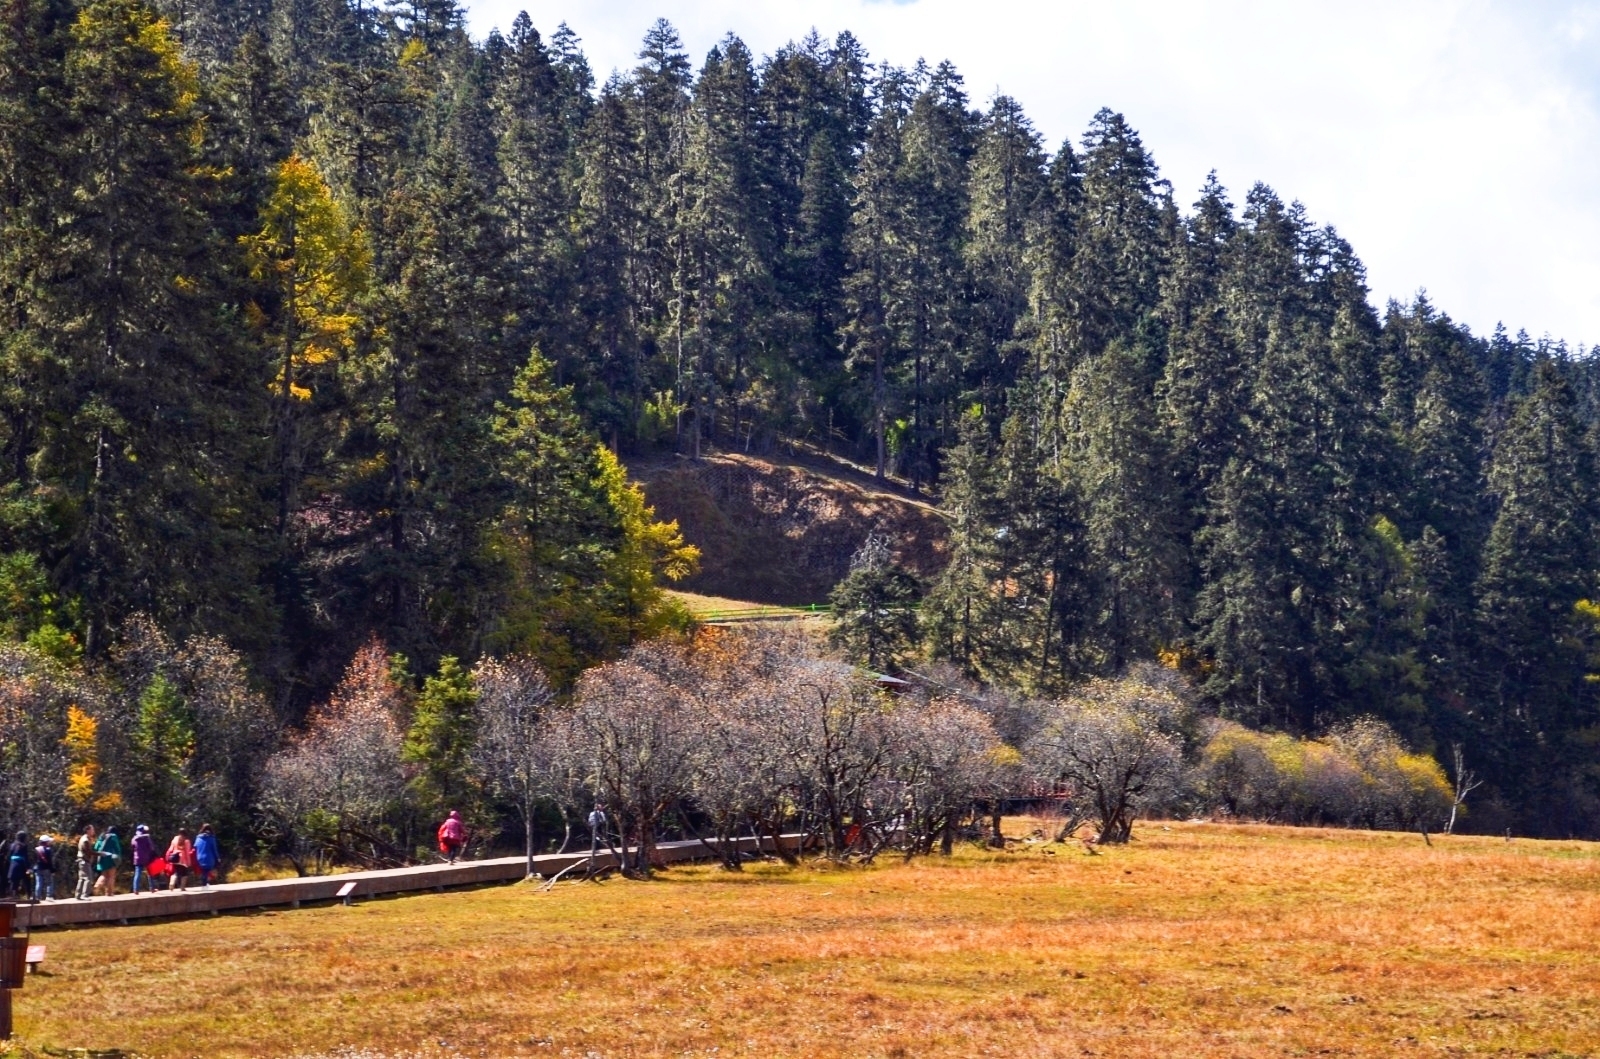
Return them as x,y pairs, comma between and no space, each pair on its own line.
1041,565
155,416
33,158
936,146
1050,255
1007,209
163,742
555,534
1283,540
814,114
874,287
609,219
658,95
438,744
1121,243
424,381
723,242
647,553
1119,462
1538,562
1203,390
534,130
874,609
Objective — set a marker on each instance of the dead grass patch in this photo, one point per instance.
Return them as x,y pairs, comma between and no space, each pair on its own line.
1200,941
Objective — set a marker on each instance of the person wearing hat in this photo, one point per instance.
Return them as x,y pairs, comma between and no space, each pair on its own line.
144,855
452,836
44,869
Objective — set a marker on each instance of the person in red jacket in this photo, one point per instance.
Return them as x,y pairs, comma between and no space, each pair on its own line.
452,836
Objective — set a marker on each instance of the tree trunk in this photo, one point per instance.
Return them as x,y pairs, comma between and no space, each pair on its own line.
527,836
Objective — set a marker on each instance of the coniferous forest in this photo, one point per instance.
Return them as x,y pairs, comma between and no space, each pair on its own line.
321,322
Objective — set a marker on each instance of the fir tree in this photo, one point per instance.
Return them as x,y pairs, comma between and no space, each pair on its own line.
1538,562
874,609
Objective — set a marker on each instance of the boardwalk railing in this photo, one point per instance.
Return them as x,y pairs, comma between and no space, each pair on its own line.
267,893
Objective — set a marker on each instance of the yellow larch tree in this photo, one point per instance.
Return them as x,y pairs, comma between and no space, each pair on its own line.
312,265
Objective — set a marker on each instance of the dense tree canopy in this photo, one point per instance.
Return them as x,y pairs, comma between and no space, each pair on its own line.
314,315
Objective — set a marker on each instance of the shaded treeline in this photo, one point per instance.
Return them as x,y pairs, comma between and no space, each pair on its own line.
270,276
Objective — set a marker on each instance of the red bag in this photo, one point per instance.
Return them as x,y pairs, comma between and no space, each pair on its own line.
159,867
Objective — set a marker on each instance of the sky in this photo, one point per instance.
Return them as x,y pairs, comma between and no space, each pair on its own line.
1455,145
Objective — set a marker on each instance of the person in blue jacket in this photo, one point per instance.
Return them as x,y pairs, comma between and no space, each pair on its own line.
206,854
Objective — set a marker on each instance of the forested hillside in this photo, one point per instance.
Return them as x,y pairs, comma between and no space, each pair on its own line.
312,314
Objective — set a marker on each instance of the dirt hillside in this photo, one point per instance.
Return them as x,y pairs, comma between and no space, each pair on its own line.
783,532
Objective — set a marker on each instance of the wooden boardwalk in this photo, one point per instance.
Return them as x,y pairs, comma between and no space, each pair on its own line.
268,893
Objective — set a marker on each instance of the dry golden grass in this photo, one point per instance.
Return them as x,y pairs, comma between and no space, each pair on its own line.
1202,940
699,604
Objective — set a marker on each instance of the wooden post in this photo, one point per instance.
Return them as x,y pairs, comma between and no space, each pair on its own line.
8,911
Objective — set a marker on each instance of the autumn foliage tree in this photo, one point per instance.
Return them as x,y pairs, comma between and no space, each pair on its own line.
312,266
336,787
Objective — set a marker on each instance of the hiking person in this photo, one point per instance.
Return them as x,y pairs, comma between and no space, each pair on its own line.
180,858
597,826
86,843
107,857
44,869
452,836
19,859
143,849
207,854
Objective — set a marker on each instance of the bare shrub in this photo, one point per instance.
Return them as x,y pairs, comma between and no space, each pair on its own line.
635,742
1399,789
1116,742
946,757
335,787
517,750
1360,774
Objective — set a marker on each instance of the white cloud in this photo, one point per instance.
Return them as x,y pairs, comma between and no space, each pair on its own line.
1456,145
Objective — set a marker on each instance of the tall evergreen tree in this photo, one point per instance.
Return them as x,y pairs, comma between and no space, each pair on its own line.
722,282
157,396
1538,562
1007,200
1119,461
874,289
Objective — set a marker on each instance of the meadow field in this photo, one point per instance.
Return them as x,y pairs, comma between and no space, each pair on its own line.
1196,940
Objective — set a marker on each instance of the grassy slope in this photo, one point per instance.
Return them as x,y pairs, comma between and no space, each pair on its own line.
1201,940
781,531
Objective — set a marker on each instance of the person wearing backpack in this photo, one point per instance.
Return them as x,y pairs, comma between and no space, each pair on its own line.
207,855
452,836
19,860
180,858
86,843
143,848
44,869
107,856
